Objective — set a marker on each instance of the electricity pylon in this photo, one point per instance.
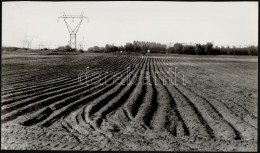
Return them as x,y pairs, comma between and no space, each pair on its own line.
73,31
27,43
41,46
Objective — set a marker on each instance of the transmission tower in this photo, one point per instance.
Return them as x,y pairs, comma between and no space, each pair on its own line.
73,31
41,46
27,42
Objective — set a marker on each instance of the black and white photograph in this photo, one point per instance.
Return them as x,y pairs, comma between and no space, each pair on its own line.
129,76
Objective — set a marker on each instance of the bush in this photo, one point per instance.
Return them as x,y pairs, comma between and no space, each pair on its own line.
96,49
81,51
66,48
44,49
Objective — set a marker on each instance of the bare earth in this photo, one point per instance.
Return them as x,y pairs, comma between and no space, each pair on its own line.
43,106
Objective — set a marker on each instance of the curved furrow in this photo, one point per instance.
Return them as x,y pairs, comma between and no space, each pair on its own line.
49,92
47,82
106,108
21,79
136,99
241,128
164,119
36,78
51,82
167,116
39,88
101,103
247,115
30,87
64,111
77,122
80,122
63,107
190,116
52,94
20,92
58,62
246,130
149,106
32,105
14,88
16,73
221,128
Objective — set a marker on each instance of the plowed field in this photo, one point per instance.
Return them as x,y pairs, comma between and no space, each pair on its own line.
128,102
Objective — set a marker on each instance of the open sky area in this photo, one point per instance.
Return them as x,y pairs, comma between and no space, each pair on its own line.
224,23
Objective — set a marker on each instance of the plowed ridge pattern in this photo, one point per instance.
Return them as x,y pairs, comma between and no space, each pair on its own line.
33,97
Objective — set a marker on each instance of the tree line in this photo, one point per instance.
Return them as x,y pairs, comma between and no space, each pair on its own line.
136,47
209,49
177,48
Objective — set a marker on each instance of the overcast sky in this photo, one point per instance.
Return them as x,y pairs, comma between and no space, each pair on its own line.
225,23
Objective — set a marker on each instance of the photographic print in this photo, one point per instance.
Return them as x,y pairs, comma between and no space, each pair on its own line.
129,76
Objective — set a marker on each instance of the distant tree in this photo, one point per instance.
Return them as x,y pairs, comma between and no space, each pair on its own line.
188,49
199,49
137,48
121,48
102,49
129,47
107,48
96,49
178,48
252,50
111,48
170,50
115,49
208,48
